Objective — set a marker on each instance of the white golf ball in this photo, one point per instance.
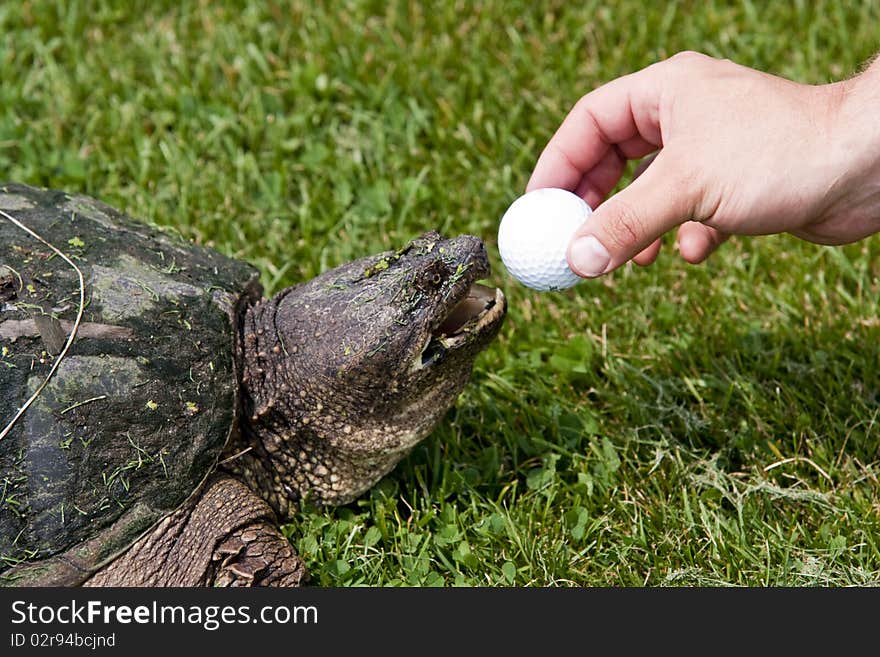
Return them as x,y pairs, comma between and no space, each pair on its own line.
534,235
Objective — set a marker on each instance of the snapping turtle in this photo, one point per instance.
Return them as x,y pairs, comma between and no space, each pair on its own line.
188,415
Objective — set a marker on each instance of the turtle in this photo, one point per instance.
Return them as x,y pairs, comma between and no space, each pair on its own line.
162,419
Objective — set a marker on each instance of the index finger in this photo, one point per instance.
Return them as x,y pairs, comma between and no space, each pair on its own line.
622,114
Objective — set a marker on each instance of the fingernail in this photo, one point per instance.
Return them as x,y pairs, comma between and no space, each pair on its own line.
588,257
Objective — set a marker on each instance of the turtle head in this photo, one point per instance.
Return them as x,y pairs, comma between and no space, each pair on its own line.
344,374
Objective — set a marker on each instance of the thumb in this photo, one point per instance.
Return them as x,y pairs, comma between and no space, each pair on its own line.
631,220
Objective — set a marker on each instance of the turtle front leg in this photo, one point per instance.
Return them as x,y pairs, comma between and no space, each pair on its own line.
228,537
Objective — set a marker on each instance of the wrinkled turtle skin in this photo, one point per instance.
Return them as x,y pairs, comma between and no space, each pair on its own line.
189,415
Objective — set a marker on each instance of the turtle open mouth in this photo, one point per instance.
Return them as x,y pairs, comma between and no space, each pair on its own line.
477,314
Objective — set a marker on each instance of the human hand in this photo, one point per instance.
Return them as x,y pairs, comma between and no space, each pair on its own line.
740,152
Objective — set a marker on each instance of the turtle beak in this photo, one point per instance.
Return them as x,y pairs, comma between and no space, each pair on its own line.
475,318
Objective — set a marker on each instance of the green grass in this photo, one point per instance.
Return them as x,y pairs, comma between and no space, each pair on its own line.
674,425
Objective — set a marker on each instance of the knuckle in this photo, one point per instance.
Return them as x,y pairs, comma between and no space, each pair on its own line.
688,57
582,103
626,226
583,109
687,63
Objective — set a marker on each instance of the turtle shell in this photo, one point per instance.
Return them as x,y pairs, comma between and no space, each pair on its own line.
141,405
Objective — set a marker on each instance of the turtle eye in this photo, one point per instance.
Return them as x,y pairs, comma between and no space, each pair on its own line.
432,276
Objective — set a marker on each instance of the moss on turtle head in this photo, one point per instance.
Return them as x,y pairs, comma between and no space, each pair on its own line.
380,266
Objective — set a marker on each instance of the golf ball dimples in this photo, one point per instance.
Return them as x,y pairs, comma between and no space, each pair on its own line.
534,235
